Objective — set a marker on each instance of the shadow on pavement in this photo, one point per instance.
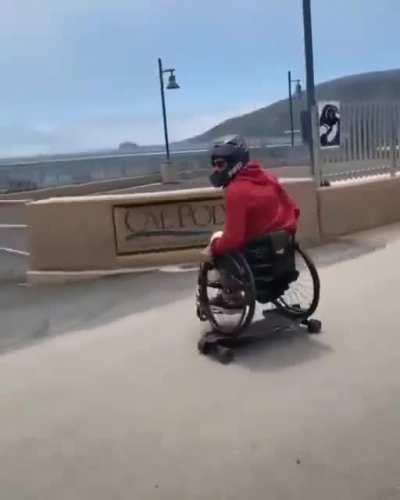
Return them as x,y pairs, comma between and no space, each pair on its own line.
287,344
356,245
343,250
30,314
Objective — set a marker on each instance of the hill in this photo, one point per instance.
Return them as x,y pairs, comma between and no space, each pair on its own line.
273,120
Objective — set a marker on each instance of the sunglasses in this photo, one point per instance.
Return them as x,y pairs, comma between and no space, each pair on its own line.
220,163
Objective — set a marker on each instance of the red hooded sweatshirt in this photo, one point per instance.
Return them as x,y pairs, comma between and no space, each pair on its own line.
255,204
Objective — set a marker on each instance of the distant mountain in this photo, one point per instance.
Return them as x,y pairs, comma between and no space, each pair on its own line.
273,120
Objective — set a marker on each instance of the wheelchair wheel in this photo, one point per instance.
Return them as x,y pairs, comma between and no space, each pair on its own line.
301,298
227,278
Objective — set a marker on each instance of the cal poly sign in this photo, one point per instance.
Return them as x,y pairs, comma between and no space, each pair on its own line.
167,225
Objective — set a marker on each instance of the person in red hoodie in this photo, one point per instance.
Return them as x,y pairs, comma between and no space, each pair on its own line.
255,204
255,201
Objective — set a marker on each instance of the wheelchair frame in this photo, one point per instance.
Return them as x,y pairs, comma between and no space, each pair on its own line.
252,272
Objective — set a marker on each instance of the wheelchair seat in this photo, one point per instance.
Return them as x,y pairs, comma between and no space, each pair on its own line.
271,259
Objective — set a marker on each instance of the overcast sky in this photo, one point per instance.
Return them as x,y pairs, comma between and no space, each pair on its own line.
79,75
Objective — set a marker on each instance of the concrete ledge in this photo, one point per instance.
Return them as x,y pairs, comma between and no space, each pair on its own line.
64,277
98,235
75,238
14,237
13,211
356,206
82,189
13,265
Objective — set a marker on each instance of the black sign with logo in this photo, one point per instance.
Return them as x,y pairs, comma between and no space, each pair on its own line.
329,124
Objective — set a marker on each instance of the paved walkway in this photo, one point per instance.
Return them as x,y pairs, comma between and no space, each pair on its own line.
118,404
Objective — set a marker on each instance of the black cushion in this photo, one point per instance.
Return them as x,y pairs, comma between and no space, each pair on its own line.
272,261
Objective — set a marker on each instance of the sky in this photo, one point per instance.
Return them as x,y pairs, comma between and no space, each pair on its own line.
81,75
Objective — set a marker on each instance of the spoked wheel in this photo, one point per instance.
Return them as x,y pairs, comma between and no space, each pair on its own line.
301,298
227,294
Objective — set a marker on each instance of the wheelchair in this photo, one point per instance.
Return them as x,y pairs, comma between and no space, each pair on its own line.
273,271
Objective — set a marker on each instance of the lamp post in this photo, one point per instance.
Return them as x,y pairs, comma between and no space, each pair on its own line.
309,57
171,85
298,94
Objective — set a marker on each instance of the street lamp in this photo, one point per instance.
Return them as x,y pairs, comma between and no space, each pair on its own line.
297,94
172,85
309,57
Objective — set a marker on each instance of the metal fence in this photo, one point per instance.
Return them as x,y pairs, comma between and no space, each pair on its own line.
370,138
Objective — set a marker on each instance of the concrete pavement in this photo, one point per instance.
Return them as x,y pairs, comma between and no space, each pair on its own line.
122,406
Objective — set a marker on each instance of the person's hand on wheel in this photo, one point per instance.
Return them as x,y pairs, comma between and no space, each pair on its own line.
214,236
206,255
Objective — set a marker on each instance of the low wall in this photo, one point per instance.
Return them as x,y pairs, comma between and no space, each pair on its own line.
83,189
13,266
78,237
13,234
13,211
117,232
133,184
356,206
39,173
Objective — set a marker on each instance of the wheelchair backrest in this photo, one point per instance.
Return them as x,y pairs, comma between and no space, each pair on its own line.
271,254
271,244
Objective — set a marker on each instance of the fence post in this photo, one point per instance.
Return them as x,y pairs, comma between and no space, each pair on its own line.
316,167
393,141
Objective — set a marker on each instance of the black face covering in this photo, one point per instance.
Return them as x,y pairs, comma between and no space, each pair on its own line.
220,178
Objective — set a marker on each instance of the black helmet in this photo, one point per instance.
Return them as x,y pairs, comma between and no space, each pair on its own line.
234,154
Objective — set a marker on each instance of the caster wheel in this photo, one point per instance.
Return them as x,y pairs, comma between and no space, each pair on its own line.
200,314
224,355
314,326
203,346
